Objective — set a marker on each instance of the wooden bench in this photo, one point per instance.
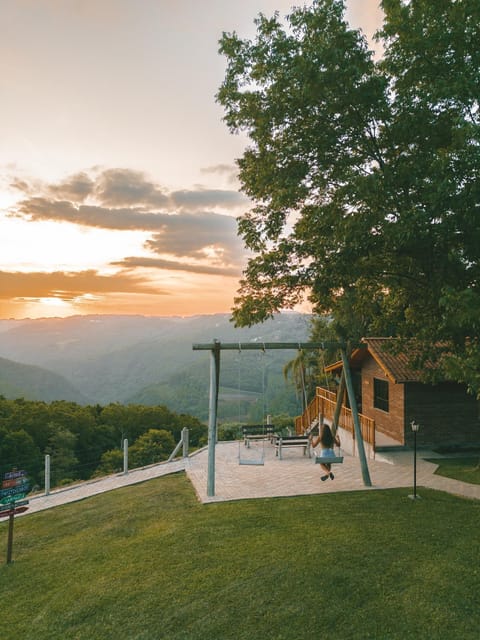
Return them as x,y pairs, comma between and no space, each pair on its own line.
287,442
257,432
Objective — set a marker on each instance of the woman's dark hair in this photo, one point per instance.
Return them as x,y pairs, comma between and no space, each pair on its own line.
326,437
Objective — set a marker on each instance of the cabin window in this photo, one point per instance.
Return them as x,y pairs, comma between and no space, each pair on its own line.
380,394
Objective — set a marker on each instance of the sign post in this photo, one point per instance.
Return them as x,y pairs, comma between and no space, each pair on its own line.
10,536
15,486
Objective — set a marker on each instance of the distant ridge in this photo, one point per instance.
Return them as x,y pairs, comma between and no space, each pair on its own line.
148,359
35,383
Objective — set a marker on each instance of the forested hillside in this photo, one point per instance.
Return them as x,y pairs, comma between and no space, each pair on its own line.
149,360
35,383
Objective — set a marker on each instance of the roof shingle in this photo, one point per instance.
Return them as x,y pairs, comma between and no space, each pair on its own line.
395,364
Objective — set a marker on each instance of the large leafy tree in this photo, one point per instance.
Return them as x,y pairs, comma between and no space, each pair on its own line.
363,172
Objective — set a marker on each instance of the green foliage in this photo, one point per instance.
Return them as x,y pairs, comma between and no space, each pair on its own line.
305,372
153,446
18,449
229,431
83,440
363,172
110,462
283,424
61,448
307,368
183,391
233,430
150,562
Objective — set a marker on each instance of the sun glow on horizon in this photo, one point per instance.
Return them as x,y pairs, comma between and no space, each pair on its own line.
43,308
52,246
54,302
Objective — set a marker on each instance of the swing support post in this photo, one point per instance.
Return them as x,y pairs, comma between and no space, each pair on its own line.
356,422
212,415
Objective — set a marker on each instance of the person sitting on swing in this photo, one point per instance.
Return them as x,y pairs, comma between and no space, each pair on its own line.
327,441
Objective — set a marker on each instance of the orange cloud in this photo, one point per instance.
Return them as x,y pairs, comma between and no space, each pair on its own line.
70,285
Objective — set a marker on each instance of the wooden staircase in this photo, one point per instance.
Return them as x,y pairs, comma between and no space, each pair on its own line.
322,407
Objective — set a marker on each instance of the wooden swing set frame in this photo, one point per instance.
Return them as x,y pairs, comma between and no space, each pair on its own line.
215,349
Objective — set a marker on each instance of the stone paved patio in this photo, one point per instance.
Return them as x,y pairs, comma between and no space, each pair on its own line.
297,474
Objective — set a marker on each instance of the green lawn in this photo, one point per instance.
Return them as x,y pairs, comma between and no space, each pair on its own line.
465,469
149,562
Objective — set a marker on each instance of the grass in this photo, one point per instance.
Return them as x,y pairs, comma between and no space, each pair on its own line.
464,469
149,562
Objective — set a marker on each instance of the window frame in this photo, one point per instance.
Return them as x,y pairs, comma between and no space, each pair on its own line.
381,395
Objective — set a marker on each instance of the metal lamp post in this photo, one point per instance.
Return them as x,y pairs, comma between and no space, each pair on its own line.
415,427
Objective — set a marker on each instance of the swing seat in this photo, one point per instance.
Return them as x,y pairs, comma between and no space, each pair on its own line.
253,434
258,463
328,459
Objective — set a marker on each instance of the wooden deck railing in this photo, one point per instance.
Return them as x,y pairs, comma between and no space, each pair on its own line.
323,406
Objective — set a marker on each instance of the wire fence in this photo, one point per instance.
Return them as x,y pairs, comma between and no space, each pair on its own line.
50,471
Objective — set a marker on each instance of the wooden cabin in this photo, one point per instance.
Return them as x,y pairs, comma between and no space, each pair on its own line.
390,393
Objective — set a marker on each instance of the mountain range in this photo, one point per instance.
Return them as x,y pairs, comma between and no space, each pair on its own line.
98,359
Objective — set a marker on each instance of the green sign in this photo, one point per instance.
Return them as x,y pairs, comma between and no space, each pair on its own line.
13,499
21,490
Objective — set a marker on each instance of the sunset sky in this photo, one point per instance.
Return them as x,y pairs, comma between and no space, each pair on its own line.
117,177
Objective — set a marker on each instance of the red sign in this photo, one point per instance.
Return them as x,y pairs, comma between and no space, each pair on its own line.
8,512
6,484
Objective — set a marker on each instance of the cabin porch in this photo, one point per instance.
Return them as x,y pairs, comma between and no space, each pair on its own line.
322,409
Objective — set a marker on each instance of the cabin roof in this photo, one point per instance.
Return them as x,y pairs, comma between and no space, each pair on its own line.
394,365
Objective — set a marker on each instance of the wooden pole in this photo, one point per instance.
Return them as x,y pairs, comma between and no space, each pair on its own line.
10,533
415,465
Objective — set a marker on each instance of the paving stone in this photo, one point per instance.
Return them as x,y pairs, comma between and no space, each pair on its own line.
295,474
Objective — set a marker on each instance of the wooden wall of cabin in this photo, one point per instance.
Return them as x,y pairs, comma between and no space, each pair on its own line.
447,415
389,422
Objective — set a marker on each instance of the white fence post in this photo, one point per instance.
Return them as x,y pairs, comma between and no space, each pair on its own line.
182,442
47,474
125,456
185,441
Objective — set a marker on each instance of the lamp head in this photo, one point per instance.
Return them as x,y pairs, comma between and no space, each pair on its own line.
415,426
